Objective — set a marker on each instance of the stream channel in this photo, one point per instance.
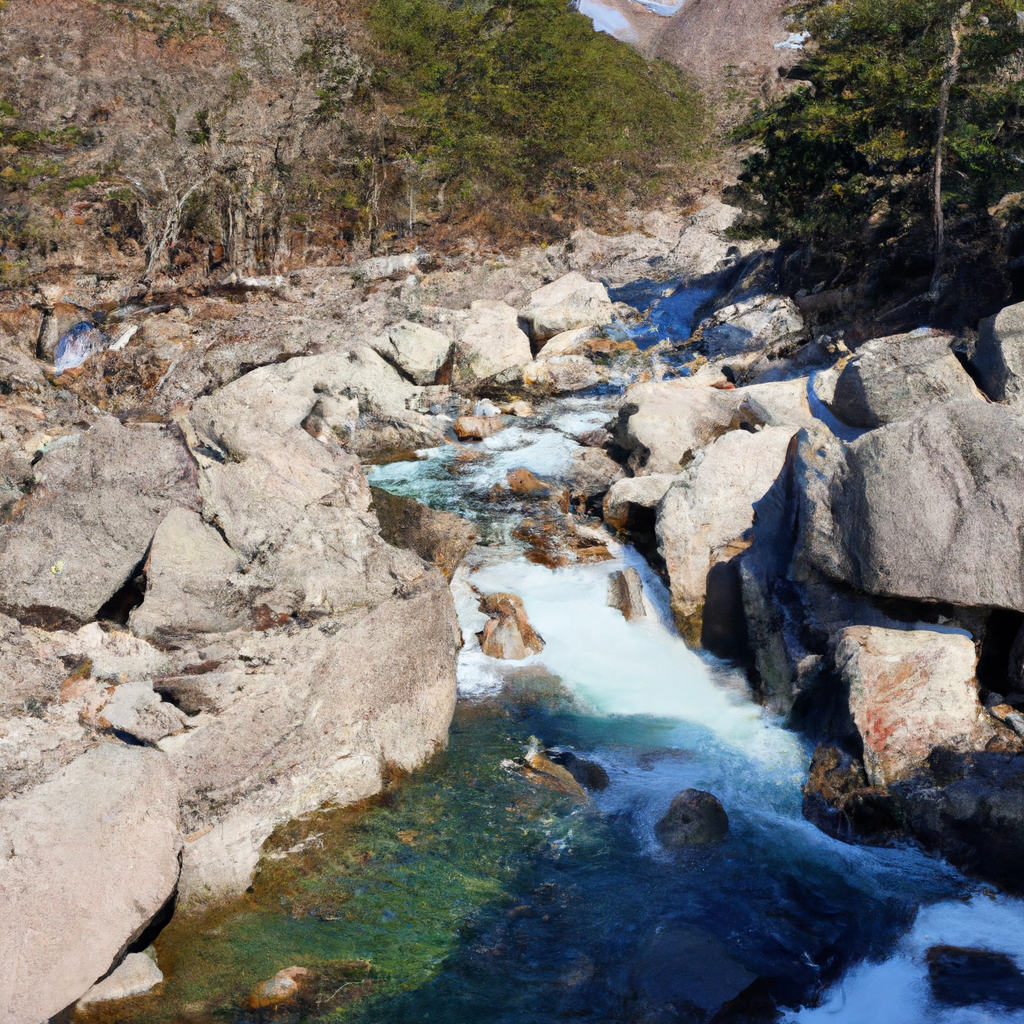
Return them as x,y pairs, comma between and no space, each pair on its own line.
467,893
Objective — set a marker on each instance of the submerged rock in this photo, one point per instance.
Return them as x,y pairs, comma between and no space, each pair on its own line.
589,774
965,977
547,773
508,633
694,818
283,988
134,976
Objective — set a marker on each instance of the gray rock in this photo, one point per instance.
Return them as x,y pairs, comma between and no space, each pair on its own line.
86,860
999,355
561,375
192,581
705,515
631,493
417,351
626,593
293,508
694,818
134,976
666,424
566,304
491,342
890,378
930,509
306,717
592,473
750,326
89,520
134,710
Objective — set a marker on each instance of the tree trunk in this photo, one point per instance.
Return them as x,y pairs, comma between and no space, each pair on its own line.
949,77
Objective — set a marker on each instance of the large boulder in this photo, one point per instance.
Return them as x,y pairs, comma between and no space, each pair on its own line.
664,425
749,326
561,375
301,717
930,509
704,518
294,507
86,860
192,581
890,378
566,304
417,351
999,356
80,534
909,692
705,515
491,341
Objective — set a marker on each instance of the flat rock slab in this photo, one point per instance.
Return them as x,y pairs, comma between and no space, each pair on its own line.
88,522
86,860
134,976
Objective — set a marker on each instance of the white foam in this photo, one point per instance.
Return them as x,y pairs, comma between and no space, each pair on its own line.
897,991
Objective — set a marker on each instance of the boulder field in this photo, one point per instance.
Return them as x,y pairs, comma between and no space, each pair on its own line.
210,624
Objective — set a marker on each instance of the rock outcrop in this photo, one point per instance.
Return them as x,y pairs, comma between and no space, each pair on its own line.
85,528
909,692
86,860
890,378
999,355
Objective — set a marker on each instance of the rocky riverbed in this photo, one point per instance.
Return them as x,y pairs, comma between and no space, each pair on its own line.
214,628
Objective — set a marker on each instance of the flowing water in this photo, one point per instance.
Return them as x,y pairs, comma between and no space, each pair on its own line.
469,894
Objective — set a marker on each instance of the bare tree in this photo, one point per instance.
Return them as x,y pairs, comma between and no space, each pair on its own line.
949,77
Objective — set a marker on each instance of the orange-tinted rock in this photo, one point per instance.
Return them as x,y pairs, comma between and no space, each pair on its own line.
508,633
476,428
522,481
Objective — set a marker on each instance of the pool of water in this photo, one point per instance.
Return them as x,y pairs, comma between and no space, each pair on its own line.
466,893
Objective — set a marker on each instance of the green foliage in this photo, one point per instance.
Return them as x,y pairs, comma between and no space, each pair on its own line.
82,181
200,135
526,96
861,140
